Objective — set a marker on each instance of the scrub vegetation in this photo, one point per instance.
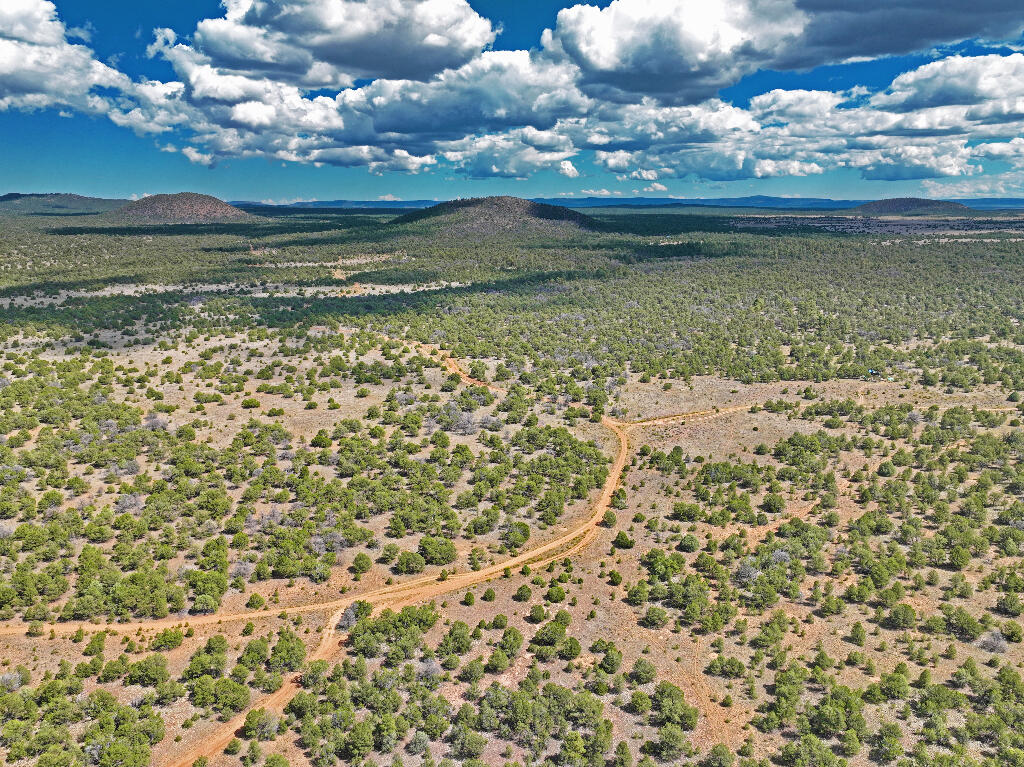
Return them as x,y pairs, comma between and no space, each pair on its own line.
499,485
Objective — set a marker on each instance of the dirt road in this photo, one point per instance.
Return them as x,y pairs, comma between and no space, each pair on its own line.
426,588
397,595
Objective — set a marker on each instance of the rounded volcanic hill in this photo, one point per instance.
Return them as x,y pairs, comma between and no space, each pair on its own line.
911,206
495,216
180,208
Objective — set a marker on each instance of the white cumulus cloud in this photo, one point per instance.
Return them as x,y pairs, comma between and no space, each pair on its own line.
678,50
325,43
635,87
567,169
39,68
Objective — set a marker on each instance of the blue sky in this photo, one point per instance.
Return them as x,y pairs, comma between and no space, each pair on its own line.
364,99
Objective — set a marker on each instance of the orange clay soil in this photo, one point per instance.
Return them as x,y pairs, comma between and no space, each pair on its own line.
418,589
429,587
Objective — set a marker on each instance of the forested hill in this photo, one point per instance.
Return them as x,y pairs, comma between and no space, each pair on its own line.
57,204
181,208
911,206
486,216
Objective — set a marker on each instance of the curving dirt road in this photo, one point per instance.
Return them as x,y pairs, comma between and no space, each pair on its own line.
661,420
409,592
429,587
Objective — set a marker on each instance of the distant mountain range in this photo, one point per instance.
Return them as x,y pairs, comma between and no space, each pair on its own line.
62,204
57,204
755,201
